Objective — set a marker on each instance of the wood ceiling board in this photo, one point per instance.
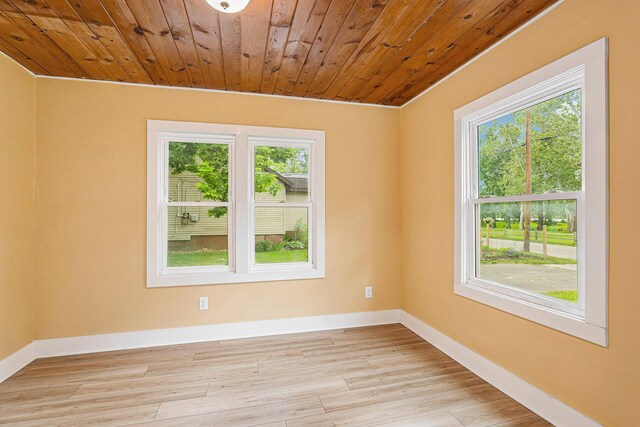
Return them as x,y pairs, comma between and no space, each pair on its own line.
395,12
279,27
155,28
334,18
371,51
103,27
180,28
361,19
48,21
124,20
42,41
475,41
306,23
21,58
255,22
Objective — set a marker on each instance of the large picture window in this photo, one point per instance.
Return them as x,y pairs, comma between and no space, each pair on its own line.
531,191
233,204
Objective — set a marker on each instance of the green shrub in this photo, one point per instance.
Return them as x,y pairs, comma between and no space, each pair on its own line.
301,233
295,244
263,246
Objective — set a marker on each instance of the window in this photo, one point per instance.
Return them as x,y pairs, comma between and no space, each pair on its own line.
232,204
531,196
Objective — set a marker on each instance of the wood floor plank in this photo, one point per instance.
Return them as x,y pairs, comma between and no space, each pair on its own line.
275,379
441,419
389,392
274,412
369,376
491,413
395,410
251,398
113,417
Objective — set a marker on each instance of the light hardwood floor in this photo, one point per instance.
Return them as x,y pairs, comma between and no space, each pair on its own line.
382,375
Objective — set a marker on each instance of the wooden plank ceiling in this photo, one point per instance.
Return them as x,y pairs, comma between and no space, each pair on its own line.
369,51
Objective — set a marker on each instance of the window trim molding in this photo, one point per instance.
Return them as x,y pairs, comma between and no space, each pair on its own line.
557,76
240,238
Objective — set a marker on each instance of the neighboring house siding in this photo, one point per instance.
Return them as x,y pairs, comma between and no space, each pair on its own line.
269,221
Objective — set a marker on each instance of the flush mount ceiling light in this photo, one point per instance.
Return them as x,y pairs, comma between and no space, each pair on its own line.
228,6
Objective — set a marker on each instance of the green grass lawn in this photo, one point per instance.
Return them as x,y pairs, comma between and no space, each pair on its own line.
553,238
510,256
200,258
565,295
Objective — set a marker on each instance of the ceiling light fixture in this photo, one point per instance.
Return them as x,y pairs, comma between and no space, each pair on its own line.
228,6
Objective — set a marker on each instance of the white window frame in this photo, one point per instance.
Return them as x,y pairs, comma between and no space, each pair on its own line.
241,140
585,69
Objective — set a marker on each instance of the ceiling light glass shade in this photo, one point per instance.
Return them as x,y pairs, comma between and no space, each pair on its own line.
228,6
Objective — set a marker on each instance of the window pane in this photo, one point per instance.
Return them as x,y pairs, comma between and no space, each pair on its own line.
555,141
542,260
198,236
282,235
281,174
198,172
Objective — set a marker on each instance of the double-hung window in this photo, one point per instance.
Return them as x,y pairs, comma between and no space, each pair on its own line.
531,196
230,203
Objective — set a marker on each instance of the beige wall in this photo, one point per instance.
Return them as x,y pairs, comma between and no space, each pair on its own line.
91,180
17,244
602,383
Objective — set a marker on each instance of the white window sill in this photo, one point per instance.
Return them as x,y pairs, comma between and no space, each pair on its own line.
564,322
219,278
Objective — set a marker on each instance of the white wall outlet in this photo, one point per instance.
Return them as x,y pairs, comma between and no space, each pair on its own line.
204,303
368,292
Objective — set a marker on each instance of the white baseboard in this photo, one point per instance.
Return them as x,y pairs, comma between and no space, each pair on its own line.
540,402
16,361
223,331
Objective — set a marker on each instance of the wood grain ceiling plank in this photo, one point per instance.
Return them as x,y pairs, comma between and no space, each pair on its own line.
205,28
393,13
279,27
360,20
254,25
22,42
99,21
306,23
435,47
354,76
93,42
494,27
335,17
41,38
206,33
176,15
49,22
124,20
153,24
440,20
21,58
230,33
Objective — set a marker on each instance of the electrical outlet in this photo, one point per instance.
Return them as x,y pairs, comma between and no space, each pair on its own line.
368,292
204,303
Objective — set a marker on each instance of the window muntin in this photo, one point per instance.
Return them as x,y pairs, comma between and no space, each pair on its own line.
576,82
203,209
